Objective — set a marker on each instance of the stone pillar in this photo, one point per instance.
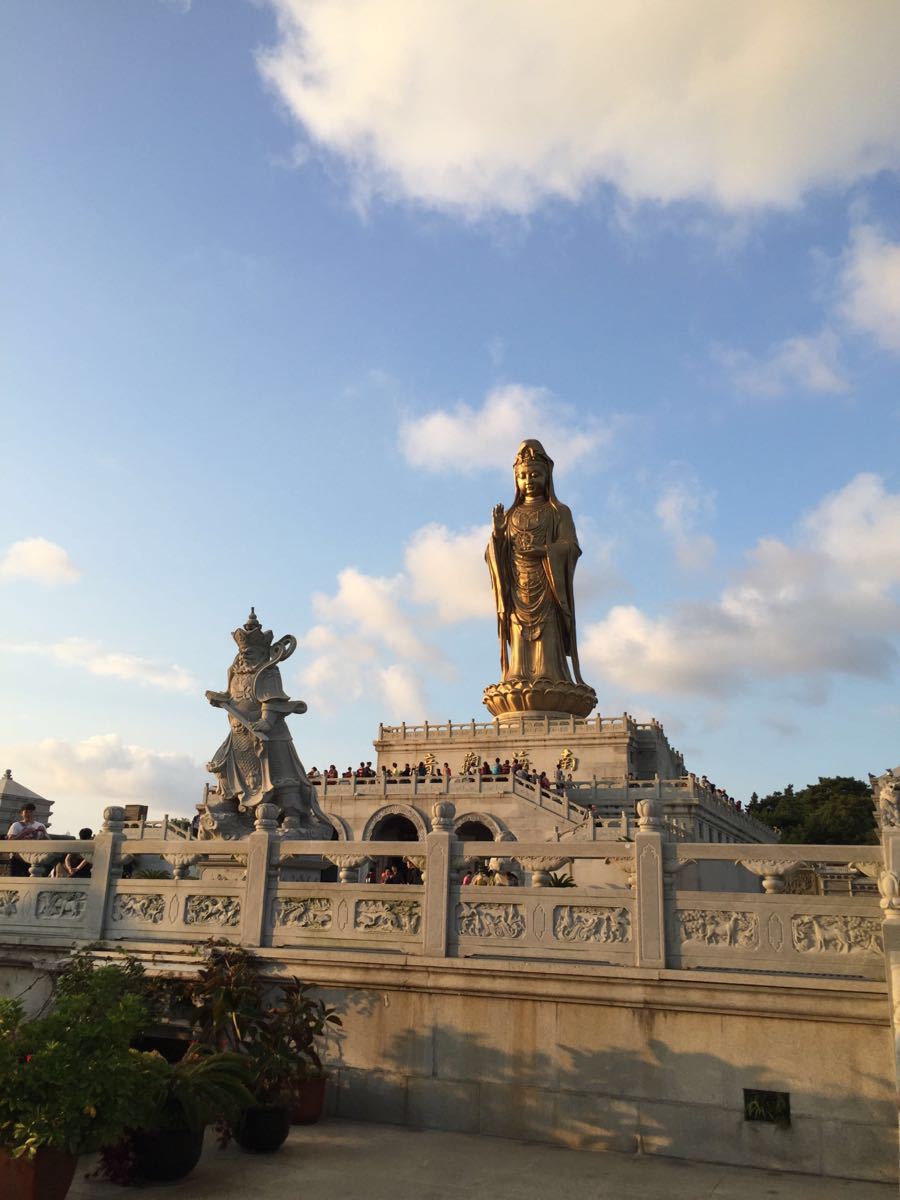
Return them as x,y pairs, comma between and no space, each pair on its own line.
886,795
105,869
438,846
649,893
259,851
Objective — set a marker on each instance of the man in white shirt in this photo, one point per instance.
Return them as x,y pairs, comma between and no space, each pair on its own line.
26,829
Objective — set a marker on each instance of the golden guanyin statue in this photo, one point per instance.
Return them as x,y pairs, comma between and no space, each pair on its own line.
531,557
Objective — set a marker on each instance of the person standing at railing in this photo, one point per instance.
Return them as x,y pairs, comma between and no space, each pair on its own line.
26,829
76,866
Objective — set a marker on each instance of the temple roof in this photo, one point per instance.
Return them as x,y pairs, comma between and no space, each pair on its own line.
16,791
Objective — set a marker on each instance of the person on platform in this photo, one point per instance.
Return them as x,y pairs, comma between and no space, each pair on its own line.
76,866
26,829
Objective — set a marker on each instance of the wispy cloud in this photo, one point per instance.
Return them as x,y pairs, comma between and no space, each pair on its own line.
682,505
804,364
465,439
870,286
824,606
92,657
82,777
39,560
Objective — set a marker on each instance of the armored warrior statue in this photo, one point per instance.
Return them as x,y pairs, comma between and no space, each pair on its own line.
257,762
531,557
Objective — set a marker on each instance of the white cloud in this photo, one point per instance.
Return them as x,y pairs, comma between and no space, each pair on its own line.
681,506
447,570
471,439
82,778
340,669
826,605
39,560
90,656
371,604
807,364
401,692
870,284
475,107
366,642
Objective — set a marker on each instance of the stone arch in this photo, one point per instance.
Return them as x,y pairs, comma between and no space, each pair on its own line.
342,831
395,810
479,818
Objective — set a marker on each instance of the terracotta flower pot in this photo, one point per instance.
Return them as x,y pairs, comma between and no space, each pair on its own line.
308,1101
47,1176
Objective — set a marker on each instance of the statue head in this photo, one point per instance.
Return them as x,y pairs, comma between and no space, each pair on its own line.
534,473
253,641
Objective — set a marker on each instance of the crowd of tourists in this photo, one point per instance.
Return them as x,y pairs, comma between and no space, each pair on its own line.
719,793
497,770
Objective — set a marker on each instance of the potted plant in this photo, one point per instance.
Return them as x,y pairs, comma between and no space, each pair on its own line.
69,1083
306,1020
184,1097
274,1027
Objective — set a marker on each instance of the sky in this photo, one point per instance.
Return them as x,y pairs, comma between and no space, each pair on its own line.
285,284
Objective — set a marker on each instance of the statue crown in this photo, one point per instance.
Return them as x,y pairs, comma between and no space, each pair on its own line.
252,633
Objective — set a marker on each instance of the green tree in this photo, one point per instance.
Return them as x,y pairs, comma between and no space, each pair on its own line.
835,811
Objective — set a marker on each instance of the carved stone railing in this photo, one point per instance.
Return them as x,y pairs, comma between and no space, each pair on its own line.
636,903
689,797
525,724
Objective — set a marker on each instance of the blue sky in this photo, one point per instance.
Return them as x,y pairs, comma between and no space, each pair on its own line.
286,283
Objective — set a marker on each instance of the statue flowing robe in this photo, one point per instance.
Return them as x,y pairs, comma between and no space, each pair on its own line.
250,768
532,566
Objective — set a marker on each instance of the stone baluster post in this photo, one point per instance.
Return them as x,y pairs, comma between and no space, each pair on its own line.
649,892
438,846
886,794
106,867
259,856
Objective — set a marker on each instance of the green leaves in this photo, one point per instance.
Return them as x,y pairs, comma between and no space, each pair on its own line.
69,1080
835,811
277,1028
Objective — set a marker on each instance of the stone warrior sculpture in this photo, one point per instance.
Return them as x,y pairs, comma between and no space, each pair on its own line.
257,763
531,557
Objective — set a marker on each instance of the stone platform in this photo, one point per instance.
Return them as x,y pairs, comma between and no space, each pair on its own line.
382,1162
608,748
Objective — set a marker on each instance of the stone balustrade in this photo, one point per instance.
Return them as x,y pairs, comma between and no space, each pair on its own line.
609,796
526,724
264,891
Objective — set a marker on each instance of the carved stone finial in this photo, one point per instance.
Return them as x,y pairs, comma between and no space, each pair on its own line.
113,819
266,817
442,813
886,798
889,887
649,814
7,774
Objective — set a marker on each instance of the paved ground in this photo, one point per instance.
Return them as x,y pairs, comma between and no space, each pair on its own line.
350,1161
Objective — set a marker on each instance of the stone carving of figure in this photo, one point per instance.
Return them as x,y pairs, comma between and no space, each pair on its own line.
531,558
257,763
